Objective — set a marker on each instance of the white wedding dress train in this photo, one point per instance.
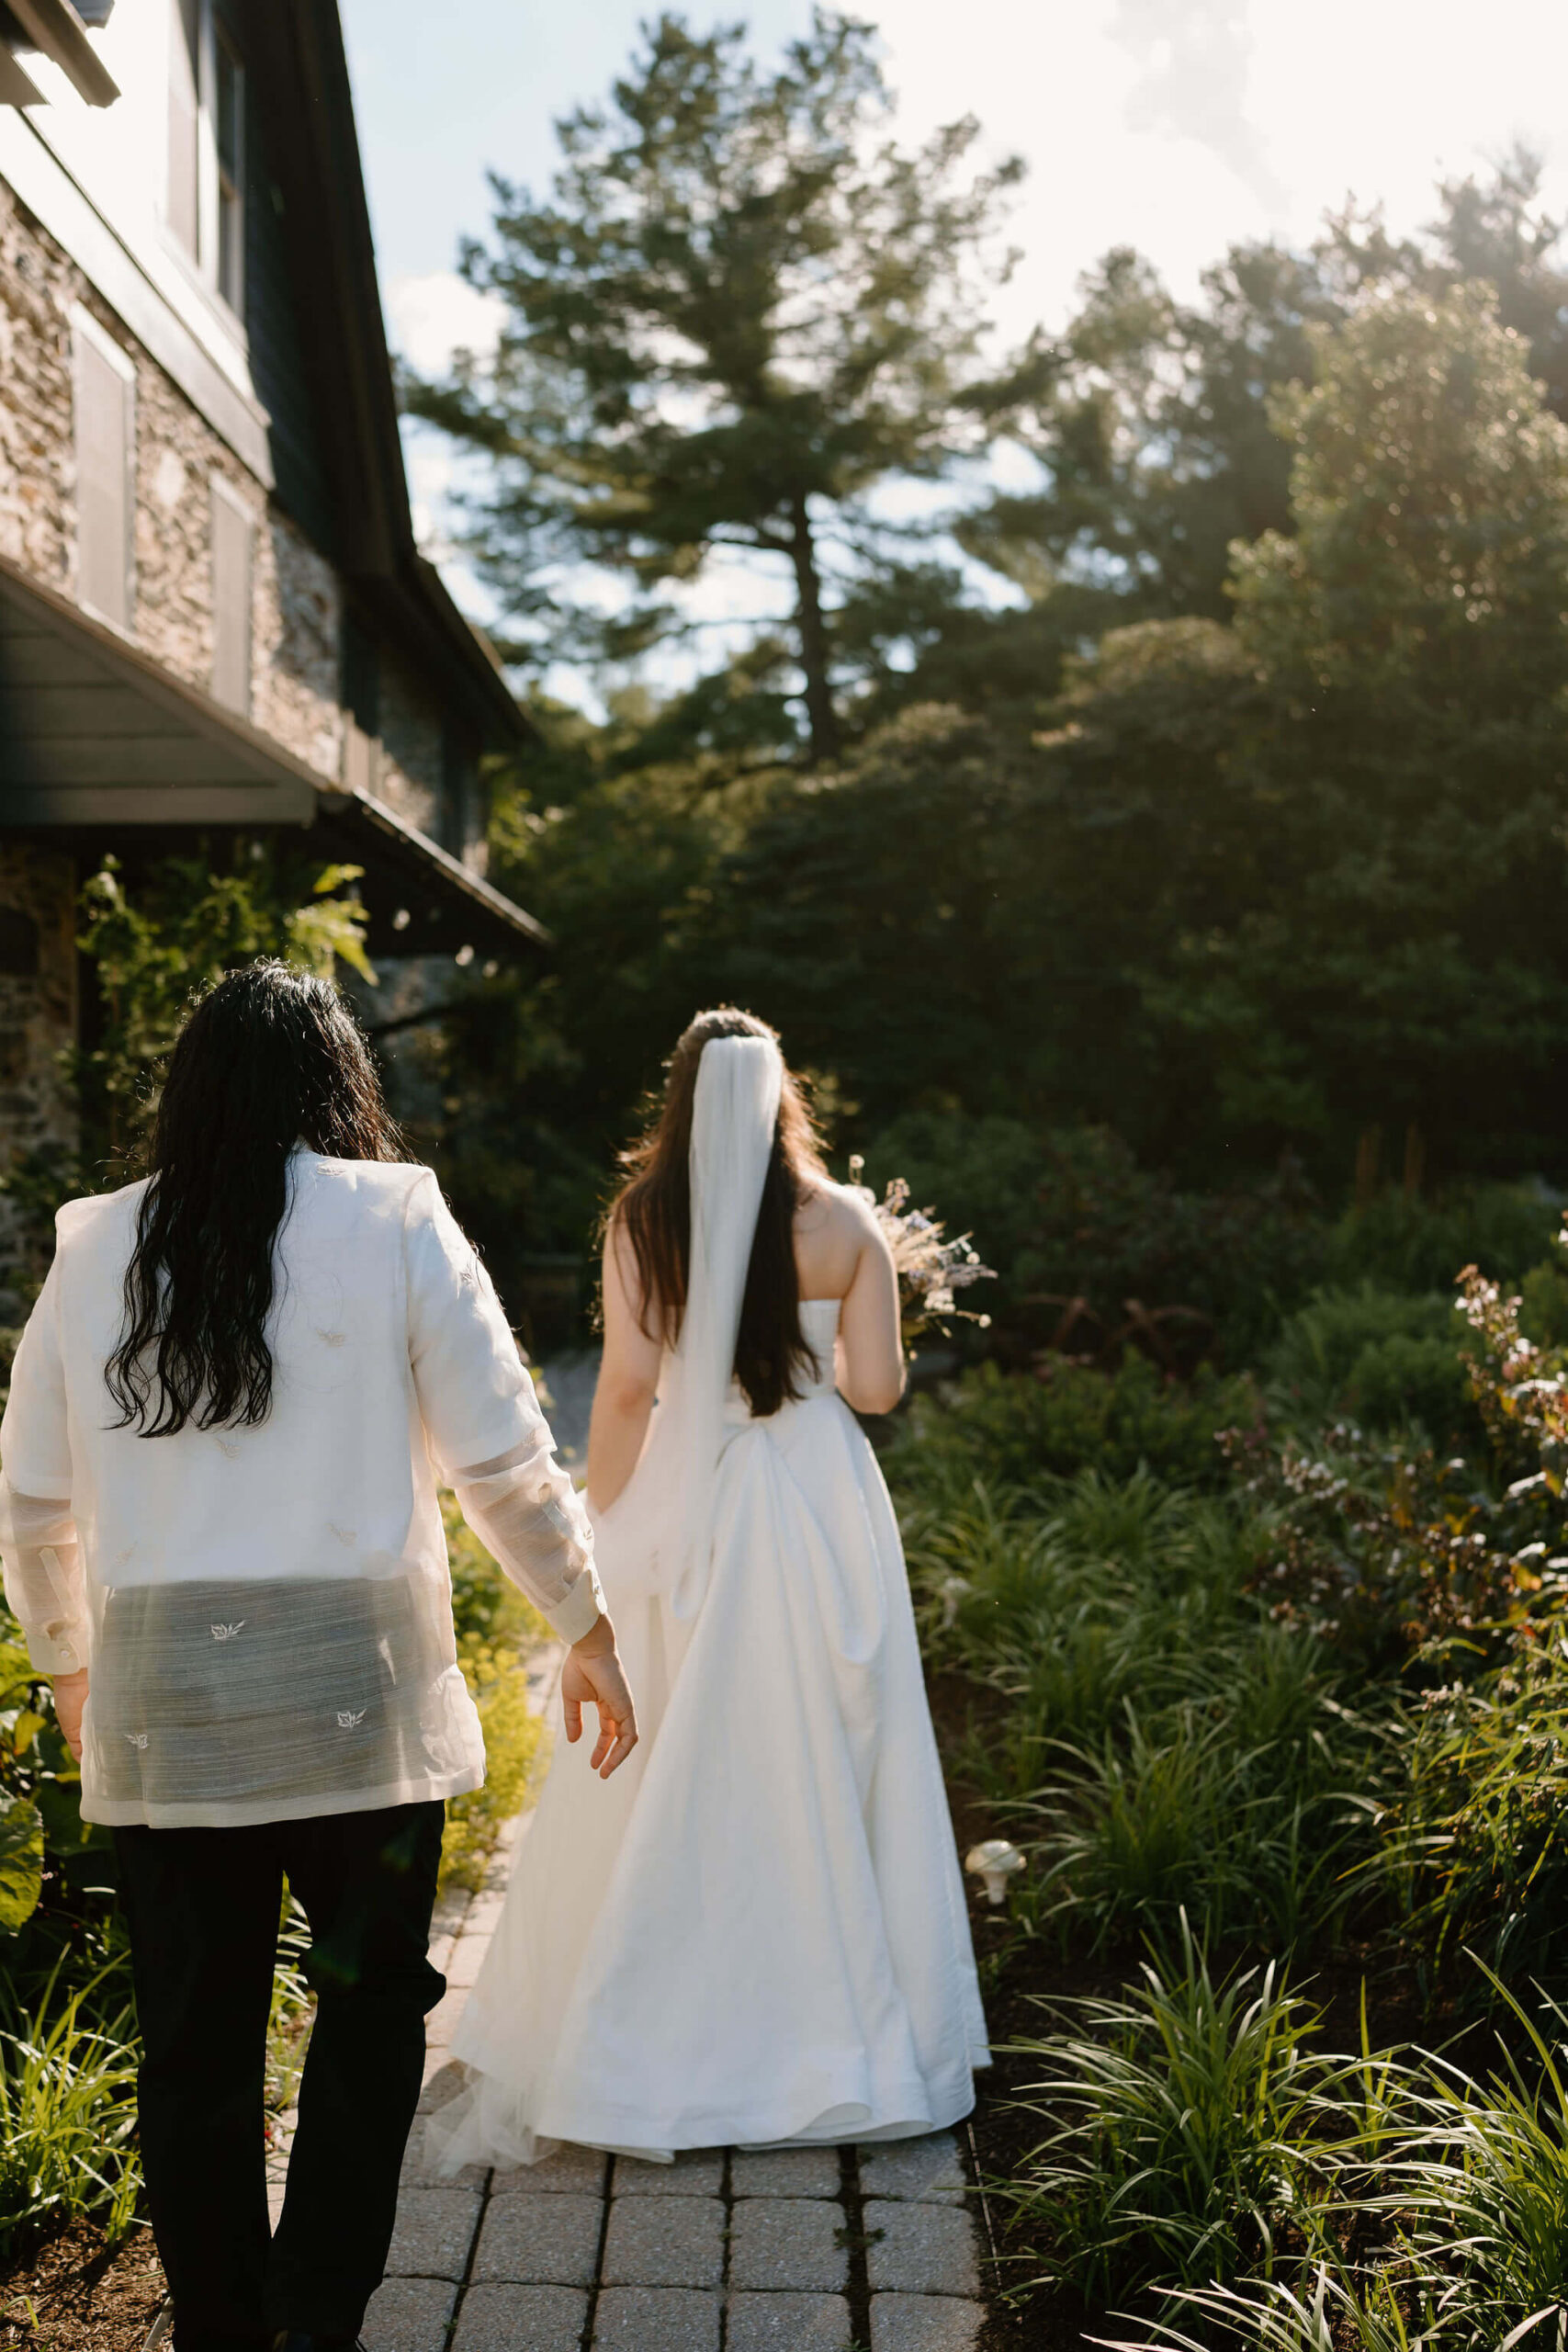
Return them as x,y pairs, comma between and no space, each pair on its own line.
755,1932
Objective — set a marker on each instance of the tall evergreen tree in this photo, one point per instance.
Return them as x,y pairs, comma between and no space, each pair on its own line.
742,308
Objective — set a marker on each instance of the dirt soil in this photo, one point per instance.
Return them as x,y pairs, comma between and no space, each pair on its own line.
79,2295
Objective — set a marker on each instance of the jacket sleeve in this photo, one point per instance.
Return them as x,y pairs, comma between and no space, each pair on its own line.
39,1547
482,1422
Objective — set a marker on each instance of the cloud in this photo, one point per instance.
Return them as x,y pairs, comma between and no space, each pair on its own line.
1195,58
436,314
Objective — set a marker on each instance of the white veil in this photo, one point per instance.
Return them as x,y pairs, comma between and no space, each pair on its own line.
669,1505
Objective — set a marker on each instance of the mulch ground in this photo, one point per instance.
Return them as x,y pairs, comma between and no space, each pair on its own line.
79,2295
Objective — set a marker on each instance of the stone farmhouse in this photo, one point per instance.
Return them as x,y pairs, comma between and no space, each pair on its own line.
212,610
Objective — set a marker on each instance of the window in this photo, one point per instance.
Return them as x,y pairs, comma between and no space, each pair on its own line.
184,124
204,208
231,118
233,534
105,462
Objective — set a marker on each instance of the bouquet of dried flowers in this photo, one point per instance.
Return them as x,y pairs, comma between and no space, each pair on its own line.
931,1268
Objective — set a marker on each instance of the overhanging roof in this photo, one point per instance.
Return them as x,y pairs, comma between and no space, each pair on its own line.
98,738
53,27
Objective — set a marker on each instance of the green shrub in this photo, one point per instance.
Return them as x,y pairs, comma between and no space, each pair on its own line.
1421,1244
981,1175
1023,1429
1182,2115
46,1851
1543,1308
1074,1602
1385,1359
1475,1833
1161,1743
1068,1215
497,1628
67,2116
1193,1809
1480,2190
1330,2311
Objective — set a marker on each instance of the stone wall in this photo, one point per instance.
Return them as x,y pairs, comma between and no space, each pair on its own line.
37,288
38,1024
295,608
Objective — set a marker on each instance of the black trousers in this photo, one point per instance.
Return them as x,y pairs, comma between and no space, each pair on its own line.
203,1907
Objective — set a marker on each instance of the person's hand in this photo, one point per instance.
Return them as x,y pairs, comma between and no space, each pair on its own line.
70,1698
593,1672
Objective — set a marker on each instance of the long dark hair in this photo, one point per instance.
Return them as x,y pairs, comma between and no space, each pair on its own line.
653,1208
268,1057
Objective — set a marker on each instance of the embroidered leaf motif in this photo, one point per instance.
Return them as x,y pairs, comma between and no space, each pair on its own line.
229,1446
137,1739
348,1721
344,1534
332,1338
227,1633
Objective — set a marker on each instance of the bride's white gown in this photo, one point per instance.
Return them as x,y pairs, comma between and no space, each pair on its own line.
755,1932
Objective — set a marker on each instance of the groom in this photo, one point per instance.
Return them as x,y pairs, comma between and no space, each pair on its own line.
220,1530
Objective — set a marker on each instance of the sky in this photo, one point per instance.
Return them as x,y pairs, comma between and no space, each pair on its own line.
1177,126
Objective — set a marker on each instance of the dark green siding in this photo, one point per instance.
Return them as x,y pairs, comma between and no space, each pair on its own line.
272,321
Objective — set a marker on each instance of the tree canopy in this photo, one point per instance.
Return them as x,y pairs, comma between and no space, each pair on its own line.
1237,828
740,313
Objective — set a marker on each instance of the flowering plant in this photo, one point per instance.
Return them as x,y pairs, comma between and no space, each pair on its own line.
931,1268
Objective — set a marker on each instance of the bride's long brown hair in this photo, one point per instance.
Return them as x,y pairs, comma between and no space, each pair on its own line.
653,1209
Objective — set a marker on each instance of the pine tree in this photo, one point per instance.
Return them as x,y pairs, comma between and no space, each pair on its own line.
741,310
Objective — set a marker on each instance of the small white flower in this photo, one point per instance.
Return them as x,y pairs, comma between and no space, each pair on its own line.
348,1721
227,1633
137,1739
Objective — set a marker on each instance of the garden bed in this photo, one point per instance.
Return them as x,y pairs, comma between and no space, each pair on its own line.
1280,1999
79,2293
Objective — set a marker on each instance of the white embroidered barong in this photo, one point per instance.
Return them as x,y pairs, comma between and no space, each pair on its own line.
266,1613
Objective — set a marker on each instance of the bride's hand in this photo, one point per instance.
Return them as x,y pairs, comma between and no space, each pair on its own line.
593,1673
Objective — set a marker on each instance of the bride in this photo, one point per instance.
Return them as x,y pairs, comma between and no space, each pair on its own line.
756,1933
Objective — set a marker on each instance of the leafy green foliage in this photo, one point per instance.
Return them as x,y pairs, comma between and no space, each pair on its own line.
184,926
155,942
67,2116
44,1844
1399,1243
1181,2114
1476,1833
1019,1428
496,1628
1484,2175
21,1862
1173,1812
1382,1358
1166,1749
1095,1253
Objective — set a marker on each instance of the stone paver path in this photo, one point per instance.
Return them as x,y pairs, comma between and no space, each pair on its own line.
725,2250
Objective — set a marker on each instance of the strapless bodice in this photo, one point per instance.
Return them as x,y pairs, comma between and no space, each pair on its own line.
820,1329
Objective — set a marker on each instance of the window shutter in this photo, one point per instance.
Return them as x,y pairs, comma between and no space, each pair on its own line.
184,118
362,707
232,536
105,498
